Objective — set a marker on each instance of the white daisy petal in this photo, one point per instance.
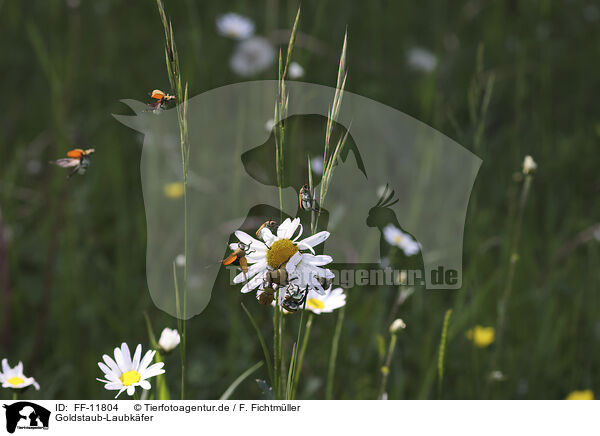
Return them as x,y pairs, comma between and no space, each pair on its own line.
111,363
252,284
292,264
105,369
112,386
153,370
247,239
147,359
136,357
131,390
316,239
145,384
282,229
267,235
252,271
318,260
120,361
291,229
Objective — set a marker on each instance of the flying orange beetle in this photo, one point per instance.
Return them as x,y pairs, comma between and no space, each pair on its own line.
78,159
159,99
238,257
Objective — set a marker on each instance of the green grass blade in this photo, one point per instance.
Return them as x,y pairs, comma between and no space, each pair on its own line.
262,343
239,380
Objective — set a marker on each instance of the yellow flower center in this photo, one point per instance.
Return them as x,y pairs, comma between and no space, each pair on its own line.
398,239
315,303
280,252
130,377
15,381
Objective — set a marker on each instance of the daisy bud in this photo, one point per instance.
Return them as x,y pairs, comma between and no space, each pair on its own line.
169,339
396,326
529,165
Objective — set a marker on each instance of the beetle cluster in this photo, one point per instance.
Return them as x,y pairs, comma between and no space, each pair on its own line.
278,279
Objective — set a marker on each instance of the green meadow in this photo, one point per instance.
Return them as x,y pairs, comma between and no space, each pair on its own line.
503,79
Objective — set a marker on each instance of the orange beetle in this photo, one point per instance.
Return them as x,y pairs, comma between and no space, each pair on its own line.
238,257
78,159
160,99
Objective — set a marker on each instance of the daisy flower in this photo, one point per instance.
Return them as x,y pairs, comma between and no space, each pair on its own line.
14,378
124,373
252,56
169,339
235,26
284,248
394,236
332,300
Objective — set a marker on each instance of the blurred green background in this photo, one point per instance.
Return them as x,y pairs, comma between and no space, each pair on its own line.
72,253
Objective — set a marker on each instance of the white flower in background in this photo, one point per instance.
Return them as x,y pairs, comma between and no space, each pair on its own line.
597,233
235,26
394,236
332,300
295,70
305,268
397,325
316,165
420,59
125,373
180,260
14,378
270,125
252,56
529,165
169,339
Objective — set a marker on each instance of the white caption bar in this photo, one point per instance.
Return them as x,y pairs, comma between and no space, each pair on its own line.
299,417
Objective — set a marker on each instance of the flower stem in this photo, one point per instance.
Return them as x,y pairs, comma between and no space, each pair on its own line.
385,369
276,349
307,328
333,354
291,391
15,395
442,351
512,263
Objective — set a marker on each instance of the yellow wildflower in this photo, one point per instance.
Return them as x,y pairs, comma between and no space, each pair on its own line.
173,190
481,336
581,395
